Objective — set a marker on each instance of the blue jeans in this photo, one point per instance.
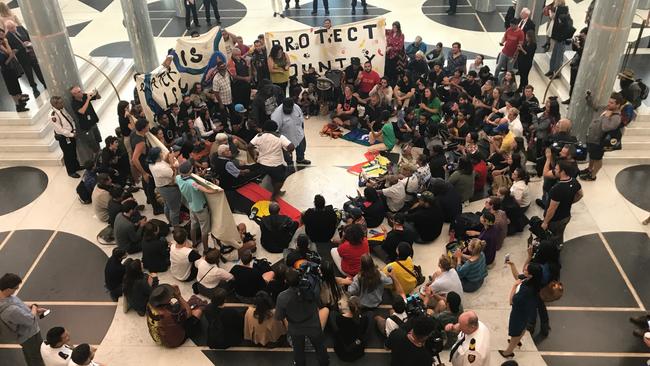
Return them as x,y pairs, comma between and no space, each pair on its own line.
503,61
172,197
557,55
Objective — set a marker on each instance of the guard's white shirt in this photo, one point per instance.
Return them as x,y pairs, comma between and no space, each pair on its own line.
62,121
475,350
270,148
55,356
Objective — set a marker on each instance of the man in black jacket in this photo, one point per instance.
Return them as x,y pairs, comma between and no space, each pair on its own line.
277,230
19,40
268,98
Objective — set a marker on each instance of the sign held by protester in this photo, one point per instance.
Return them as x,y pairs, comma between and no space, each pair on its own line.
193,60
332,49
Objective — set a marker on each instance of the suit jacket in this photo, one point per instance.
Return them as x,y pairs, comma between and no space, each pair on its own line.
527,26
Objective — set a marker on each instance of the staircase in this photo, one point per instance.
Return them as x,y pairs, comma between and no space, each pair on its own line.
28,139
636,140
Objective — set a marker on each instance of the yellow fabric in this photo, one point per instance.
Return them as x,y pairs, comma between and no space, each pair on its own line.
262,208
405,279
509,144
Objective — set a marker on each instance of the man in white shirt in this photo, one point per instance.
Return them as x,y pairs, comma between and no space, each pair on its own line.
55,350
514,124
83,355
64,133
182,257
221,86
209,275
395,194
446,279
473,345
270,147
291,124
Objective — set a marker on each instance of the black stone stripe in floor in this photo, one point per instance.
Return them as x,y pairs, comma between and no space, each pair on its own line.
274,358
632,183
86,324
3,235
12,357
71,269
592,331
21,249
593,361
633,253
19,186
590,276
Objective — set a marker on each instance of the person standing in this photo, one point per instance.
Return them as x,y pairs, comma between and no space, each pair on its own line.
221,87
304,319
326,5
11,72
452,7
525,23
525,58
291,124
270,146
277,8
240,71
140,146
19,40
194,194
190,6
215,6
561,30
512,39
64,134
88,136
473,344
279,65
395,54
363,4
578,45
21,320
562,196
163,172
608,121
259,63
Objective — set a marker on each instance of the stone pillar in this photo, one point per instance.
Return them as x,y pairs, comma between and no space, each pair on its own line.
485,6
601,60
49,36
179,6
644,5
138,26
535,6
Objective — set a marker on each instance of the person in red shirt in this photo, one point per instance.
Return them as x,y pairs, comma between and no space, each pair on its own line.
347,256
480,172
512,39
366,80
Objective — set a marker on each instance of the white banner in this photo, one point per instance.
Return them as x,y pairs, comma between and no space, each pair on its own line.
332,49
193,59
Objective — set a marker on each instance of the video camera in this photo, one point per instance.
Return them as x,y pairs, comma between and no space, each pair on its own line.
415,308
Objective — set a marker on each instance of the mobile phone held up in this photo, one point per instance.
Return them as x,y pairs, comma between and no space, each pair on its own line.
45,313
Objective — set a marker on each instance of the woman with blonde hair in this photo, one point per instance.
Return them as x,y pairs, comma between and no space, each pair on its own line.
471,267
7,14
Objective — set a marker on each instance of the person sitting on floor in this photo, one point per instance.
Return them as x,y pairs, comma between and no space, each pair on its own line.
402,269
231,174
350,329
302,253
369,283
55,350
171,322
395,320
182,257
138,286
320,221
400,233
225,324
114,273
248,279
155,250
427,217
446,279
83,355
347,256
471,268
101,196
128,234
209,276
260,325
277,230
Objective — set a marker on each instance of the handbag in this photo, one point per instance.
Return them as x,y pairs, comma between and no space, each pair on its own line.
195,285
552,292
416,273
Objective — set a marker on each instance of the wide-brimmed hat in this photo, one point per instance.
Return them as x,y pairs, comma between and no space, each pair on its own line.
626,74
161,295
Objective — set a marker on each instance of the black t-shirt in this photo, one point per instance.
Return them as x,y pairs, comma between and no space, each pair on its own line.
88,119
169,132
564,192
247,280
225,326
348,104
374,213
404,352
113,273
320,225
473,89
351,74
124,125
405,87
437,166
135,140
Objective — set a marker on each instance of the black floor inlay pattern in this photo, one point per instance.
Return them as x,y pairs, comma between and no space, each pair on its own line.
62,276
593,361
12,356
466,17
340,13
21,249
271,358
590,276
75,29
98,5
592,331
633,253
165,23
115,49
632,183
19,186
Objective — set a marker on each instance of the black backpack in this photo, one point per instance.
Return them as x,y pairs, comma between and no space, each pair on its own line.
644,89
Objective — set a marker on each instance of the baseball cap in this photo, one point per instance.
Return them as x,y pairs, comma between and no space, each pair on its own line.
240,108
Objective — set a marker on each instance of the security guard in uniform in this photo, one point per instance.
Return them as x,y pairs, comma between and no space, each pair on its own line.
65,133
473,345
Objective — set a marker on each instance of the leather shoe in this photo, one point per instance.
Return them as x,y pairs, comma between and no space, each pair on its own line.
303,162
74,175
641,320
639,332
568,101
549,73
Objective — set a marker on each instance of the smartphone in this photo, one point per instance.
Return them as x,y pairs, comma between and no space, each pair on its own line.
507,259
45,313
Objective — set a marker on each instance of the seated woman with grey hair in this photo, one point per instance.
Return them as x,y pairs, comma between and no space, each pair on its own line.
230,172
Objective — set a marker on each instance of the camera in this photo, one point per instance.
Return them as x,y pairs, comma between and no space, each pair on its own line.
415,306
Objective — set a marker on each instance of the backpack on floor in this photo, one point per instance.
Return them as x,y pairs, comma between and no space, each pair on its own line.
331,130
644,89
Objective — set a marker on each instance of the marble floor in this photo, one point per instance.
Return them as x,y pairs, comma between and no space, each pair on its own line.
606,223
